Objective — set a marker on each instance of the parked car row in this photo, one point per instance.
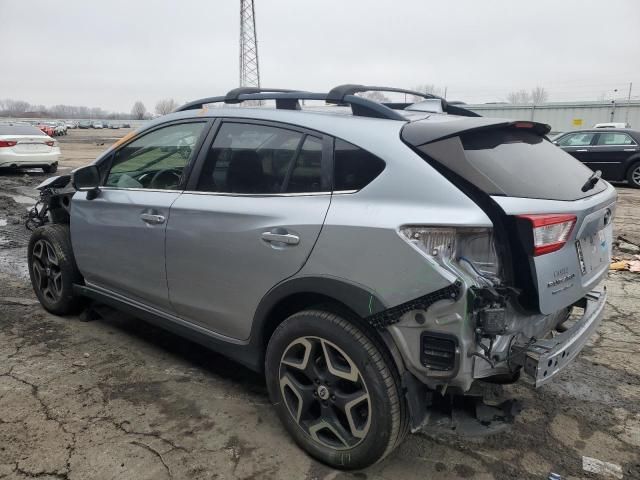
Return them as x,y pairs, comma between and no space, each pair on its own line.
85,124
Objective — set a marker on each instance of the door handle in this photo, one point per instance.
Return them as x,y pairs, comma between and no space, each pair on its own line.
630,149
582,150
288,238
152,219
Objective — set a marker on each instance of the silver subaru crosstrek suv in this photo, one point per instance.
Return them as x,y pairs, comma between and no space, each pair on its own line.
377,261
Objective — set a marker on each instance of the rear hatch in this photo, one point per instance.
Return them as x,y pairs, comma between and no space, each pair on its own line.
558,231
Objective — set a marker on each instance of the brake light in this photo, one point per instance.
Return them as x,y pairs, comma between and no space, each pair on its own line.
550,232
7,143
51,143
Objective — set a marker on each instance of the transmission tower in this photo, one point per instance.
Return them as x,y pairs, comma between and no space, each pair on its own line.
249,68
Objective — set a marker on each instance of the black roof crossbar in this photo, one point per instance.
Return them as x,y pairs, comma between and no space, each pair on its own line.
341,95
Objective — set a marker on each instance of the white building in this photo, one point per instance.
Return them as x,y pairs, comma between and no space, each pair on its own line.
566,116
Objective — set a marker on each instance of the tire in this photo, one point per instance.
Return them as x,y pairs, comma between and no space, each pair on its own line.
350,417
53,168
53,269
633,175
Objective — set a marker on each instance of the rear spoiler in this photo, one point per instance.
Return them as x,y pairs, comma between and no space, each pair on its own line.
426,131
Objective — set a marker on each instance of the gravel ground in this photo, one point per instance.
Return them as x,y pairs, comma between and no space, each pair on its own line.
118,398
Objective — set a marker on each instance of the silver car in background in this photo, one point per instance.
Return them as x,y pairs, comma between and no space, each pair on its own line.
375,261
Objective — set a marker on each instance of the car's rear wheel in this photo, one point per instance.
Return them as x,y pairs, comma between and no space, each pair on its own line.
53,269
336,389
53,168
633,175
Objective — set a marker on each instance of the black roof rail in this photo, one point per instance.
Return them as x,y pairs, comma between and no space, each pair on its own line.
285,99
341,95
196,104
338,94
232,96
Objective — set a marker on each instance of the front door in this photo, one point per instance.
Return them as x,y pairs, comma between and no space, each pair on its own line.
255,212
579,145
118,237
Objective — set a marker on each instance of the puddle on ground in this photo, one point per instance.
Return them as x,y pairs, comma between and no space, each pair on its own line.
23,199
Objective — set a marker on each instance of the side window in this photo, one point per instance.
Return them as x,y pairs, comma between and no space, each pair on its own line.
577,140
155,160
615,138
353,167
259,159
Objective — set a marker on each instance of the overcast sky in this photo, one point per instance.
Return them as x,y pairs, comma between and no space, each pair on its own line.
110,53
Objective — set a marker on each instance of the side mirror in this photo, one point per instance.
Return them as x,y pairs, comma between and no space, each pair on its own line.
86,179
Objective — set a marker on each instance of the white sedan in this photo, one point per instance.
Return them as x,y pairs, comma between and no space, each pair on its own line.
25,146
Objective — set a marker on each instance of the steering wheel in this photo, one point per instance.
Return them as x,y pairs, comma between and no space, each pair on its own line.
167,177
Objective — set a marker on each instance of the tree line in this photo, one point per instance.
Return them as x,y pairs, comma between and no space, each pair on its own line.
22,109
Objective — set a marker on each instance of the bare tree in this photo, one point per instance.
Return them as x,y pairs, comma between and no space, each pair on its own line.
138,111
15,107
426,88
539,95
165,106
375,96
520,96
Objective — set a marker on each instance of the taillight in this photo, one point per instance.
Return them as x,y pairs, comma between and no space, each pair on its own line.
550,232
51,143
7,143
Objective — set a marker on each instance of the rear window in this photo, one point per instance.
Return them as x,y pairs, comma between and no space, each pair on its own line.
517,163
19,130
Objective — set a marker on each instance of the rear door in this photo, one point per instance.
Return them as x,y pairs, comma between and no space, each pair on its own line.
118,237
610,152
250,218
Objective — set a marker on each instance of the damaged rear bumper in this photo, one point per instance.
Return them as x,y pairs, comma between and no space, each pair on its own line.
544,359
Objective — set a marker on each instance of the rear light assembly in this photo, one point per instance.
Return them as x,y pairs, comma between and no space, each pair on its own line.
472,248
51,143
7,143
550,232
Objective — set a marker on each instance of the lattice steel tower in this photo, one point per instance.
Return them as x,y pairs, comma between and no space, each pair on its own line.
249,67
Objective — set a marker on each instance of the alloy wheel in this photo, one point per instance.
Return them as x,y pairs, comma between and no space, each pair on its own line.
635,175
46,271
325,392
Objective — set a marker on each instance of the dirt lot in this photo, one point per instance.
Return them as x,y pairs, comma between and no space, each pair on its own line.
117,398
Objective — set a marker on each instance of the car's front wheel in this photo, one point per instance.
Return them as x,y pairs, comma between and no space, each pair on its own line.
53,269
336,389
633,175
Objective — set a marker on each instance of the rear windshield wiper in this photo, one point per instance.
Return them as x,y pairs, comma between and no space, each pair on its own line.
591,182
